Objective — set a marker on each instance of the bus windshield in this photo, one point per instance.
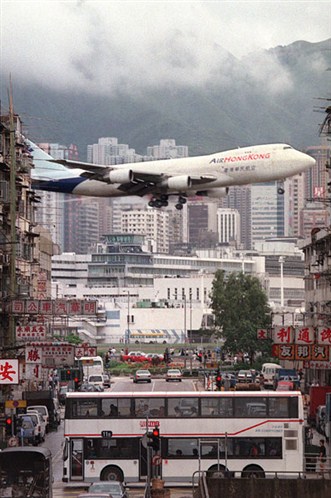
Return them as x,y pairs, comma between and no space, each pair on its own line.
25,472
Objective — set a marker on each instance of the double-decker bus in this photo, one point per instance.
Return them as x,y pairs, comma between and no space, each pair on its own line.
244,433
26,471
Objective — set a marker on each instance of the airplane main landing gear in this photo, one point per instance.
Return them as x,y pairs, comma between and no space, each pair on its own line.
181,201
162,201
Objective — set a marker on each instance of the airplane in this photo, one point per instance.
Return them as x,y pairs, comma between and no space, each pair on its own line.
210,175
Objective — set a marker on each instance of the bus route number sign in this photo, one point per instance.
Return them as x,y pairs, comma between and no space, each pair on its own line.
106,434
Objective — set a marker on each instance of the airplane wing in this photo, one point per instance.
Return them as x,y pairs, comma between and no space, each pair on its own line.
141,183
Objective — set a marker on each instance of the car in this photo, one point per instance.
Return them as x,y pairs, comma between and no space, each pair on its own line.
39,425
106,380
26,430
142,376
43,410
41,421
115,488
244,376
135,356
96,380
94,495
174,374
90,388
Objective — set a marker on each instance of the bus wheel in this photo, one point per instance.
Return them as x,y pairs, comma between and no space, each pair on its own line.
253,471
112,473
217,471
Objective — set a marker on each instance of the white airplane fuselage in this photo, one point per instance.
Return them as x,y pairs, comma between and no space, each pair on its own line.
255,164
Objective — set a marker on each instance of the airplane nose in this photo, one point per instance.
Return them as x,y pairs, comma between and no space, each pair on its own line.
310,161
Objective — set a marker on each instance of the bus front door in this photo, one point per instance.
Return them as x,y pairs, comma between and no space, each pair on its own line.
143,467
76,463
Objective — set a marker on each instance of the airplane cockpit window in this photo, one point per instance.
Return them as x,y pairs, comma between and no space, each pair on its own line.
287,147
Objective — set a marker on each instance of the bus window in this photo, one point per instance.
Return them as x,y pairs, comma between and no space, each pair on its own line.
226,407
183,407
85,408
278,407
245,407
209,407
178,448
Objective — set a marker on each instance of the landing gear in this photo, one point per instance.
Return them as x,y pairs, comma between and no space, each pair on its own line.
280,187
159,202
181,201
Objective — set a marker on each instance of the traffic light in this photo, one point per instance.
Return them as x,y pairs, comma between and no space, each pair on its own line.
154,436
76,382
218,381
9,426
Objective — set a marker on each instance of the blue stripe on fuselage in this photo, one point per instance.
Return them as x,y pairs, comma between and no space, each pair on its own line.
65,186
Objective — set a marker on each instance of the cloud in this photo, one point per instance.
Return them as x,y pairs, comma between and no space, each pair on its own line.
108,46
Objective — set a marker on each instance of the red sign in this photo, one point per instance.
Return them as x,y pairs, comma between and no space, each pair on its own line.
8,371
286,351
283,335
304,335
324,335
302,352
262,334
29,331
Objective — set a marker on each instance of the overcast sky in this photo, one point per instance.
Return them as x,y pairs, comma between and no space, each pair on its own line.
104,45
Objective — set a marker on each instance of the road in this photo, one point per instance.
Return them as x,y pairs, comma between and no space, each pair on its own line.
54,440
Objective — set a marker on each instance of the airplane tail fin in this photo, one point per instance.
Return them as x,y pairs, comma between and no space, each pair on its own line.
44,169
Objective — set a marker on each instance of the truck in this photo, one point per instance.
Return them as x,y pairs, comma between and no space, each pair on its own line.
287,374
46,398
317,397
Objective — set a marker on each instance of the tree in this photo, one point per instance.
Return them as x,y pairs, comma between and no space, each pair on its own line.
240,307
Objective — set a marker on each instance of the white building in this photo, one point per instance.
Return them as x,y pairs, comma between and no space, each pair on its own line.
152,223
228,226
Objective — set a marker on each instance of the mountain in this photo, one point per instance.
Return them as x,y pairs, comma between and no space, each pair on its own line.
267,96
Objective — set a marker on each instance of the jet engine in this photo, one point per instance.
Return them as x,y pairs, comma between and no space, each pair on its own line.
120,176
215,193
178,183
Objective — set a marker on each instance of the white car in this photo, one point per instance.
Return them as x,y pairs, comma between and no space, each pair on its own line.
96,380
174,374
43,411
142,376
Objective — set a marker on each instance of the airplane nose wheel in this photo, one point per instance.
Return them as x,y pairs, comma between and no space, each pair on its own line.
179,206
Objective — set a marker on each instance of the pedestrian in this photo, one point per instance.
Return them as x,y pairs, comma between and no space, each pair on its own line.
322,457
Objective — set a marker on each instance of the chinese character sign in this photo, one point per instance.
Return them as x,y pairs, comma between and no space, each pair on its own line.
283,335
33,354
324,335
85,351
304,335
286,351
8,371
29,332
262,334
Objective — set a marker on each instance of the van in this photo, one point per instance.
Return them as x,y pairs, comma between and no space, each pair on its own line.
96,380
269,371
41,422
43,410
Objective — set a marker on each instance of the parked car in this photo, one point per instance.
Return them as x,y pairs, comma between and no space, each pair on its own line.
26,430
106,380
43,410
115,488
174,374
39,428
135,356
41,422
142,376
244,376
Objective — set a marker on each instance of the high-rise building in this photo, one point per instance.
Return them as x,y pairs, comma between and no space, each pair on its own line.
152,223
239,198
228,226
267,212
167,150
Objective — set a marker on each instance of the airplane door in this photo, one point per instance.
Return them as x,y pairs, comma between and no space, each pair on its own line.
76,463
